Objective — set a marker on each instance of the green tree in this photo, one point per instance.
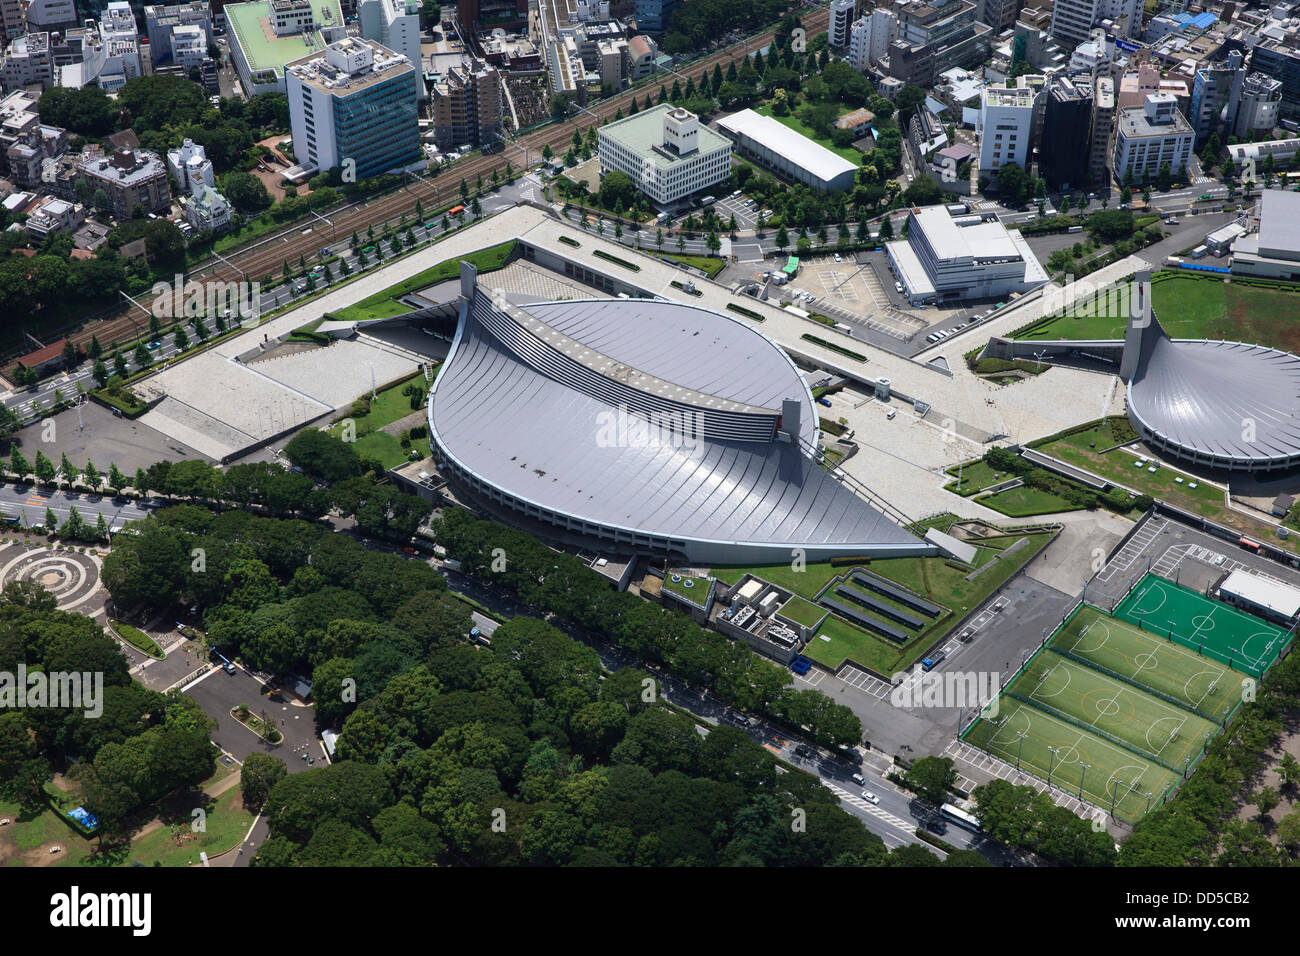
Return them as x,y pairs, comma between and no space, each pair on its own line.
99,372
18,464
258,776
931,778
44,468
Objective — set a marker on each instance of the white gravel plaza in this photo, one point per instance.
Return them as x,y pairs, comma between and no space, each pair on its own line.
219,406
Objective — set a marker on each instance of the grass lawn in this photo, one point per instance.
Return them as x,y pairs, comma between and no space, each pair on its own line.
1119,466
1025,501
848,152
932,578
21,839
697,593
975,476
138,639
709,265
1194,308
387,407
176,843
1205,499
384,304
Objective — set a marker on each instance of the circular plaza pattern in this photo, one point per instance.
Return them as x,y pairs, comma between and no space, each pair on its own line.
68,575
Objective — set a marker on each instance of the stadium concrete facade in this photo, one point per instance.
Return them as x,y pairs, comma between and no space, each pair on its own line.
645,426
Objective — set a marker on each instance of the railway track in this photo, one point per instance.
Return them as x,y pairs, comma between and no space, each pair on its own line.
267,257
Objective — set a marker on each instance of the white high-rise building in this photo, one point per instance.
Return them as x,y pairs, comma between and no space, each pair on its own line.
1006,123
837,30
1150,136
1257,106
1073,20
396,25
869,38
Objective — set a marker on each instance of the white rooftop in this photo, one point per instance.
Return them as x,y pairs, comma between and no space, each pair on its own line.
1279,223
779,138
1264,592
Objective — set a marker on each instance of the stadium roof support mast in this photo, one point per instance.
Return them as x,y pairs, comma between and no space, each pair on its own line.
1139,324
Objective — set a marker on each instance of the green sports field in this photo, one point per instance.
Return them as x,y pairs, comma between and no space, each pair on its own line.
1072,758
1213,629
1165,733
1205,686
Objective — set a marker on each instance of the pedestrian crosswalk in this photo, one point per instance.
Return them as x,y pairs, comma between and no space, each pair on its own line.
856,801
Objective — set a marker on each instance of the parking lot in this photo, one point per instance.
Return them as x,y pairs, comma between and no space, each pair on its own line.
219,692
744,209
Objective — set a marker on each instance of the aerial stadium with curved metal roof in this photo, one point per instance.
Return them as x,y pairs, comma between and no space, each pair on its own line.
1217,404
646,426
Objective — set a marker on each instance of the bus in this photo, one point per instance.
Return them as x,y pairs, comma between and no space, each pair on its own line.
959,817
456,210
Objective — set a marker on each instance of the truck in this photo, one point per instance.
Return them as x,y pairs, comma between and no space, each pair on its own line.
841,327
1075,229
451,564
930,663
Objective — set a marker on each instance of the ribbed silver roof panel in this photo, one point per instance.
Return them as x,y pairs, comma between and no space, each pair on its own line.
539,439
1222,399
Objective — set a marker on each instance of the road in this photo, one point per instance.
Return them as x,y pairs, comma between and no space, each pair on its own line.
31,502
266,256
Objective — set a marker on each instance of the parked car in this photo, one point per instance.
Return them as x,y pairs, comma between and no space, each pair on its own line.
837,257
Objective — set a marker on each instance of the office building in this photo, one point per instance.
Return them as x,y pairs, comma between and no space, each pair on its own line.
28,60
50,16
1006,127
1258,105
1073,20
475,16
777,147
652,16
998,14
666,151
128,177
467,106
1064,150
841,21
946,257
353,102
265,35
395,24
948,28
1103,122
159,21
869,38
1213,89
1279,57
1150,138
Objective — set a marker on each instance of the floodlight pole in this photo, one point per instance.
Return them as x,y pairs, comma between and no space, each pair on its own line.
1112,797
1051,761
1020,746
1085,768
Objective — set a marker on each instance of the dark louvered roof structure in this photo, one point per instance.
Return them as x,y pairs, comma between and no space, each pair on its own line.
650,426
